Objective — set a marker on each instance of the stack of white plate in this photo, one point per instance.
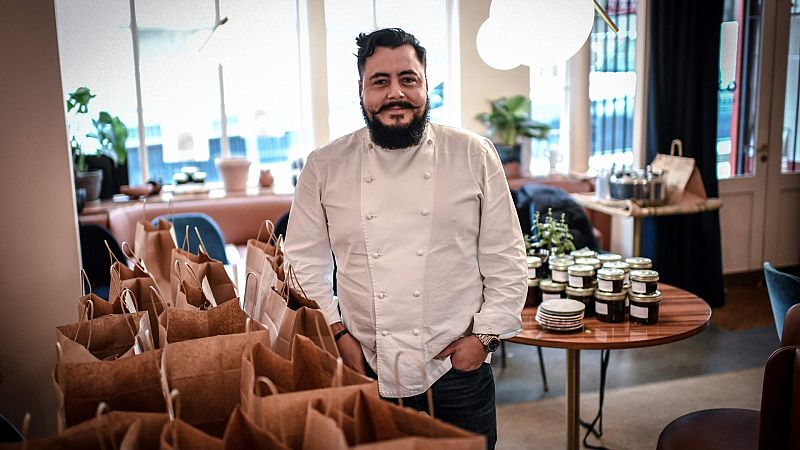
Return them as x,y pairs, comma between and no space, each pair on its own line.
561,315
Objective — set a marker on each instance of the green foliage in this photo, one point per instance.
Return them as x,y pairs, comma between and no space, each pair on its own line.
109,131
510,118
551,234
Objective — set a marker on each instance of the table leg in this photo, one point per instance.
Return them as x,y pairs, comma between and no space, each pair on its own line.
573,388
637,236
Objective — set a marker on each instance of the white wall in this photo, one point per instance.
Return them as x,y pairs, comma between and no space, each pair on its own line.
480,82
39,245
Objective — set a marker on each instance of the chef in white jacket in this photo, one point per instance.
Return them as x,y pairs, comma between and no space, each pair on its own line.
431,269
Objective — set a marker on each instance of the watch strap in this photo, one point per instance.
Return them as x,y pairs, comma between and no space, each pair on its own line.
341,333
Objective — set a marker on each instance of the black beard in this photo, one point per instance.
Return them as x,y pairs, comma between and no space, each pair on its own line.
401,136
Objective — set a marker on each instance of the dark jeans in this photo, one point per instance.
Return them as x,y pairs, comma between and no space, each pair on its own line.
464,399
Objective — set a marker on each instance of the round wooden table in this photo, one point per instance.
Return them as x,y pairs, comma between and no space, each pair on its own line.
682,314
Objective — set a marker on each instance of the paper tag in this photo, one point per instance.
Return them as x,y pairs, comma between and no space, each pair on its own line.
531,272
560,276
550,296
638,287
639,312
600,308
576,281
605,285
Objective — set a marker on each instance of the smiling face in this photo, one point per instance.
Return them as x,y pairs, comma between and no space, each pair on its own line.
393,88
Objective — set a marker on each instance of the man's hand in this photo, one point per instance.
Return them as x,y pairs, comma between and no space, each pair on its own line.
350,349
466,353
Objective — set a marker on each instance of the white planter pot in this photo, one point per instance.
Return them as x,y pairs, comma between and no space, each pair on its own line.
234,172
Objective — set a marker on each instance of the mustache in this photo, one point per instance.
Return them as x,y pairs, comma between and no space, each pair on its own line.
397,104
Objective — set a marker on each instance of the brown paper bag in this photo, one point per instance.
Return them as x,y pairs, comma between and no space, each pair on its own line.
150,428
125,384
210,272
302,316
101,307
267,251
684,183
242,433
179,435
186,324
143,289
383,425
105,338
207,373
190,293
154,244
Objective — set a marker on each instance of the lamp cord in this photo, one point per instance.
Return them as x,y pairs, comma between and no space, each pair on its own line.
605,356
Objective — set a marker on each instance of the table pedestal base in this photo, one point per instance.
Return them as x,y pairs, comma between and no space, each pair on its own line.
573,387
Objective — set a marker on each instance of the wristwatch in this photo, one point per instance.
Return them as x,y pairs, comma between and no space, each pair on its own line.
490,341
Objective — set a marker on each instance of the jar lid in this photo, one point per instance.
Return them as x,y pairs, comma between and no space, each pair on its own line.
609,296
560,263
594,262
608,257
581,270
534,261
617,265
645,298
583,253
549,285
644,275
608,273
639,262
533,281
580,292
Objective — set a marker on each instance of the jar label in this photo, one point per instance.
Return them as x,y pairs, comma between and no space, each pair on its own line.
531,272
605,285
638,287
639,312
576,281
600,308
546,296
560,276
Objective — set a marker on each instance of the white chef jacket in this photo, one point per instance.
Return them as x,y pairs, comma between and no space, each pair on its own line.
427,243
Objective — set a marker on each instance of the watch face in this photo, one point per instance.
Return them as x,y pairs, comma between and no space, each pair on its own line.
493,344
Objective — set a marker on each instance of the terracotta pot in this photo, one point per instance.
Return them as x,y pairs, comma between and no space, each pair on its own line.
234,172
266,179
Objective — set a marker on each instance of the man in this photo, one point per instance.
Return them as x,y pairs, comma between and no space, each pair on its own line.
431,261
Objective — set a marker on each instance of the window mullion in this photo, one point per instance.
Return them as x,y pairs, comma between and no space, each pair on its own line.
138,79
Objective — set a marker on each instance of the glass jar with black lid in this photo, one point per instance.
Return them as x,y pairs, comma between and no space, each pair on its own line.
584,295
609,306
639,263
534,297
644,308
552,290
558,269
644,281
581,276
610,280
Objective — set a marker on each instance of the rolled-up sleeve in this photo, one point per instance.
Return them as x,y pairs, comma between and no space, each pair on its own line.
307,246
501,253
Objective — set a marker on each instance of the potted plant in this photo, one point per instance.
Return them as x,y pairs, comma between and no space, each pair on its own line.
109,132
549,237
506,124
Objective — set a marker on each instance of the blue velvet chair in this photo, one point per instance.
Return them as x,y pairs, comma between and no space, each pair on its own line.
784,291
208,229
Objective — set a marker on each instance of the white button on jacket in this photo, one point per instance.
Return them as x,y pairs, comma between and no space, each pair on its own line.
467,254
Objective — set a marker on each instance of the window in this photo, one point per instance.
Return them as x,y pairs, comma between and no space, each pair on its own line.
548,99
612,86
790,155
233,89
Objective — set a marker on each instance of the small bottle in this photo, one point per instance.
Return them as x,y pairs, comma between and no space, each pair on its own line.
551,290
610,280
639,262
609,306
581,276
558,269
608,257
644,307
586,296
594,262
534,297
644,281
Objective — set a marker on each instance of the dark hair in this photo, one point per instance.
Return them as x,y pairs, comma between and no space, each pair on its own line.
387,37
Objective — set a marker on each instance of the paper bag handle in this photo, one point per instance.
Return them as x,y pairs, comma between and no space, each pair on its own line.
676,144
269,227
85,277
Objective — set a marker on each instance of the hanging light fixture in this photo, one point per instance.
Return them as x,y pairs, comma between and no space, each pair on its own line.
540,32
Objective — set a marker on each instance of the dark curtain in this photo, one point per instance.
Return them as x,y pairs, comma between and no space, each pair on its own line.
683,80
